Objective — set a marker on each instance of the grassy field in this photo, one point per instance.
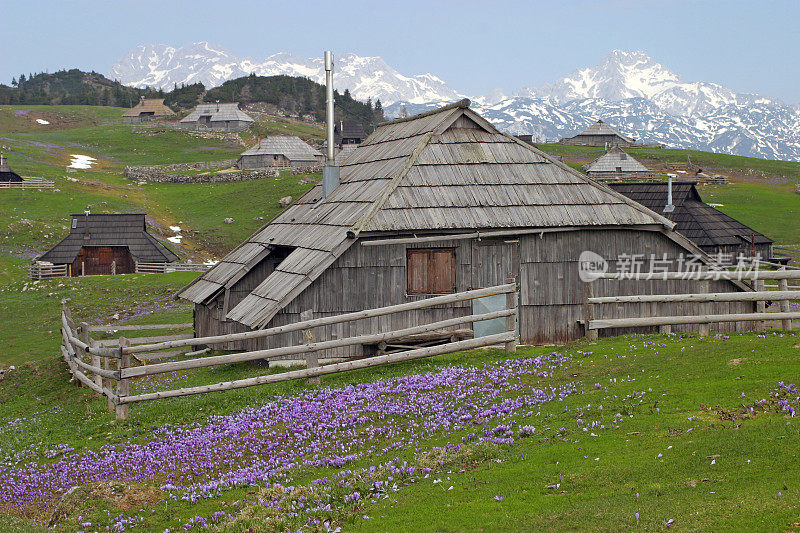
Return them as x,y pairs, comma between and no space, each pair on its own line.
661,426
626,432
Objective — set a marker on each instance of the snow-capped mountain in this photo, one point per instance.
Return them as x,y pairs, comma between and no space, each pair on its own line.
630,90
163,66
647,101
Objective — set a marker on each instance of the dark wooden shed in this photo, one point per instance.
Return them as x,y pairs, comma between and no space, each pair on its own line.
599,134
722,237
437,203
6,174
348,133
107,244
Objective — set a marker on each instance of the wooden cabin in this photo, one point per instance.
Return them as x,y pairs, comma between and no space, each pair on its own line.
147,109
280,151
437,203
107,244
599,134
716,233
218,117
348,133
6,174
616,164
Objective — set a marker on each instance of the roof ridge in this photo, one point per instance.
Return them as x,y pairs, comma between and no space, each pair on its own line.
464,103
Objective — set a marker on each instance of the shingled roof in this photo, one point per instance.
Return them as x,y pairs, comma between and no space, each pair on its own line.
601,128
291,147
615,160
148,106
218,113
441,171
109,230
696,220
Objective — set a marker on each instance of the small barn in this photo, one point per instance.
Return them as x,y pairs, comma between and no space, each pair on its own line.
599,134
6,174
216,116
147,109
280,151
616,164
107,244
348,133
712,230
437,203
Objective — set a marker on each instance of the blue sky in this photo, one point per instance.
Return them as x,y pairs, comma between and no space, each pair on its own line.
473,46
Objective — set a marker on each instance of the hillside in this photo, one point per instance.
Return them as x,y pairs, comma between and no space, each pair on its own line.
71,87
634,430
296,95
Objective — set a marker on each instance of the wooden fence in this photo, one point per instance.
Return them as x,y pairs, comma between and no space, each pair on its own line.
760,295
111,362
160,268
39,271
28,183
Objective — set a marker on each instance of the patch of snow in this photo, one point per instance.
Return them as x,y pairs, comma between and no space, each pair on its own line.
81,161
176,239
42,121
176,229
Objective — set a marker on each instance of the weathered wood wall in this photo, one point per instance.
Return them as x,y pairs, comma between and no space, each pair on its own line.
546,265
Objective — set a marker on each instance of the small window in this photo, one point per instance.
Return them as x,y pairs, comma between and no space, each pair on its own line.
431,270
619,169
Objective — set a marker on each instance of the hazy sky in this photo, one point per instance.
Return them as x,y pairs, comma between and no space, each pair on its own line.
474,46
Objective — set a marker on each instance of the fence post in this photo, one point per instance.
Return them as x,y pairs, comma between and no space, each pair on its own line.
705,309
783,285
70,329
107,365
588,311
136,267
761,305
113,267
512,302
123,385
94,358
312,360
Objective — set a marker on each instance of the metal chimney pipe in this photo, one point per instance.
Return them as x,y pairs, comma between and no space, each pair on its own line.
669,208
330,172
329,102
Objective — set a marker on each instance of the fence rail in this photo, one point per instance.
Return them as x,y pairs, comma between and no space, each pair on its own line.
28,183
112,367
161,268
760,296
39,271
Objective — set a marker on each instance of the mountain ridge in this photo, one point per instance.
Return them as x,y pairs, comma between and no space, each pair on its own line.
632,91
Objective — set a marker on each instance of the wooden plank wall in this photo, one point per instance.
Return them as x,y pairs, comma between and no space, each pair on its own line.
546,265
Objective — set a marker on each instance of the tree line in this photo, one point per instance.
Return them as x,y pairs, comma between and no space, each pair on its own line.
294,95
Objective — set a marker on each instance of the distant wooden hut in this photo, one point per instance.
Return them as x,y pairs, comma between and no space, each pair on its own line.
437,203
616,164
220,117
712,230
280,151
6,174
599,134
107,244
147,109
348,133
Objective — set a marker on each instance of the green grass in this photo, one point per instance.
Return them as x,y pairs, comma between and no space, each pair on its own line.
691,413
773,209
